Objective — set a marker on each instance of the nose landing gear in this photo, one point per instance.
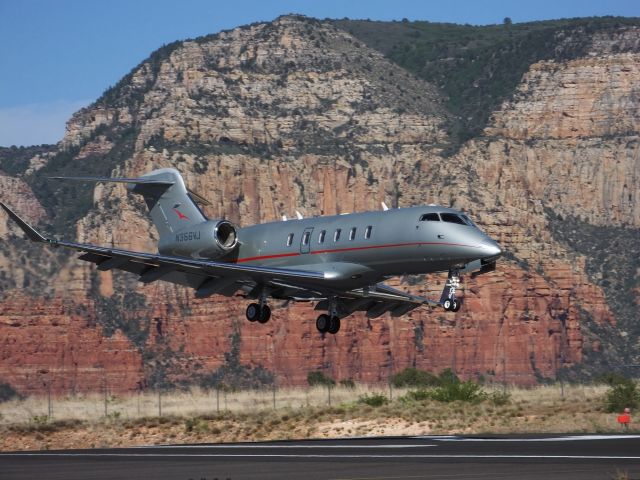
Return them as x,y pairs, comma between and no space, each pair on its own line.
448,298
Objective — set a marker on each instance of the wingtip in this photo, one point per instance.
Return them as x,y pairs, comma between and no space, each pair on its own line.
31,232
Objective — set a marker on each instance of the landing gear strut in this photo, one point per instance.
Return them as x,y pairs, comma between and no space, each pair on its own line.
329,323
259,312
448,299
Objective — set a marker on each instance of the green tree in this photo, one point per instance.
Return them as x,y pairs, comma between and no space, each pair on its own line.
622,395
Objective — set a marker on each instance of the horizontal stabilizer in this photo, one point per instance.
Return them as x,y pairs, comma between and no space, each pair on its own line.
146,181
136,181
31,232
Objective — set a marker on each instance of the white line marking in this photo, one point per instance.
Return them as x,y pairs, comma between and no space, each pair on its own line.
284,455
545,439
391,446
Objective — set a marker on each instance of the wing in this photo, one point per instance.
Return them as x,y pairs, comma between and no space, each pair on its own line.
207,277
375,301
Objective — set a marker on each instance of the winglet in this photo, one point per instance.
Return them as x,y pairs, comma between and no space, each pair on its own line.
31,232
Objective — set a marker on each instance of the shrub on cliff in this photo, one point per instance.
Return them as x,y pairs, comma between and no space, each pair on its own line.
348,383
7,392
318,378
412,377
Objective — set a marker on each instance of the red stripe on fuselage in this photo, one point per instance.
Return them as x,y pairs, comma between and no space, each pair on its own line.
351,249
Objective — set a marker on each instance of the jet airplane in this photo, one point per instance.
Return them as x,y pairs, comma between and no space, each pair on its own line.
340,262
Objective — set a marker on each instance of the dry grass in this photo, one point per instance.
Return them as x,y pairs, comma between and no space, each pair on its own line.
178,403
193,417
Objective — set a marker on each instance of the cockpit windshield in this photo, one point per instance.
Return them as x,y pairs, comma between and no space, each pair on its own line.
460,219
452,218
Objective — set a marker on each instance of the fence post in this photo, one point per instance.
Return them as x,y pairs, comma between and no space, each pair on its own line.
49,406
218,400
329,392
106,393
274,396
159,401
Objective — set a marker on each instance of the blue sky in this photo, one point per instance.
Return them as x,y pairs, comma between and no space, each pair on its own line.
58,56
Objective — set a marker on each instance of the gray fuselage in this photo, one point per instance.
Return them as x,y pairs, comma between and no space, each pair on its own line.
383,244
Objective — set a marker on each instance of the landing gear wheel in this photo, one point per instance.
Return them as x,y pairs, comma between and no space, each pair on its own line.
456,305
253,312
265,314
447,304
323,323
334,325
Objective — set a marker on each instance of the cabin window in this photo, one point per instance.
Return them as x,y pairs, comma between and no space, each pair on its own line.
289,239
367,232
352,233
323,234
336,236
452,218
430,217
305,238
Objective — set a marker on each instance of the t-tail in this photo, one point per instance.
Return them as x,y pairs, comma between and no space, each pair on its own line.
174,211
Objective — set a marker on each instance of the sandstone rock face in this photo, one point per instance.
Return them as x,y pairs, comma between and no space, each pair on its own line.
296,115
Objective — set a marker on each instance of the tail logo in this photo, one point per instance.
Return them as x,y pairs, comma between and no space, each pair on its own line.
181,215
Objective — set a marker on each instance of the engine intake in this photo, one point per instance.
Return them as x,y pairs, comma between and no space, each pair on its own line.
226,236
211,239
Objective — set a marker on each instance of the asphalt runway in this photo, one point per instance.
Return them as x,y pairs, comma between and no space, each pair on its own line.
549,457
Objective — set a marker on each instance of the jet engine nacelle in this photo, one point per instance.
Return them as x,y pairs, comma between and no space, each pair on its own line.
211,239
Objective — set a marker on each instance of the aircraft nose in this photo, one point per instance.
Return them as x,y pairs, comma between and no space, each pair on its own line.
491,249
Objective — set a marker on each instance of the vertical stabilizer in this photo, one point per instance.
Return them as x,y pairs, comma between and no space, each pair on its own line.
170,204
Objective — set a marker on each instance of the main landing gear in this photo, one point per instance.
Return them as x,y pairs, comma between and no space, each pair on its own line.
329,322
259,312
255,313
448,299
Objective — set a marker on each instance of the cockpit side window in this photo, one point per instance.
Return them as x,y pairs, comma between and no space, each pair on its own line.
452,218
430,217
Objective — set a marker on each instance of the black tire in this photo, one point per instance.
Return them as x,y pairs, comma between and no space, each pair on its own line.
253,312
457,303
334,325
265,314
447,304
323,322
